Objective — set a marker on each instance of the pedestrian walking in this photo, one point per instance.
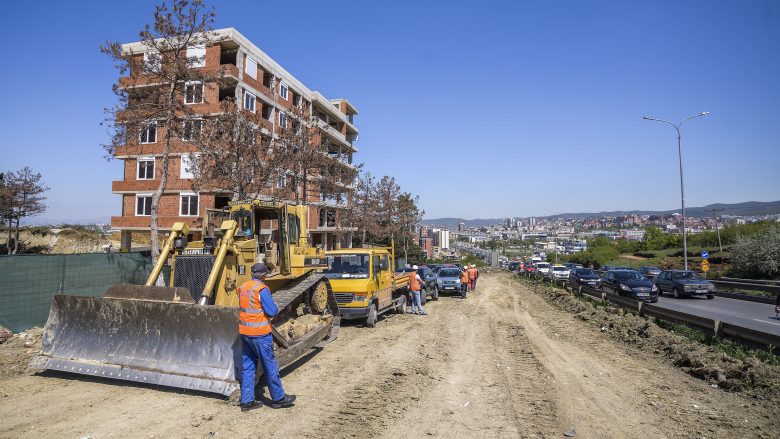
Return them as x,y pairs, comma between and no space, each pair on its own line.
415,286
464,282
256,309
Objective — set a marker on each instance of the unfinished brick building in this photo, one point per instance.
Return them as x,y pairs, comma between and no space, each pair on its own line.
248,75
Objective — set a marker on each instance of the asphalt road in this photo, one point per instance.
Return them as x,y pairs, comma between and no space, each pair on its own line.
759,316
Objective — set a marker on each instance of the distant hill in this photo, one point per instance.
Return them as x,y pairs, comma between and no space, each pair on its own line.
452,223
748,208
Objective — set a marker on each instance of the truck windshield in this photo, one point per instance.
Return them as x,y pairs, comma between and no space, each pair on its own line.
449,272
347,266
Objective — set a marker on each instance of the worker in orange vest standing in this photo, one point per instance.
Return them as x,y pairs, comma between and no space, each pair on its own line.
472,272
415,286
256,309
464,282
476,276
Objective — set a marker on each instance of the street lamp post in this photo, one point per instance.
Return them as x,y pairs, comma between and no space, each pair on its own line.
682,186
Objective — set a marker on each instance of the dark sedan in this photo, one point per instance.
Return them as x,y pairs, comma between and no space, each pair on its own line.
650,272
630,283
684,283
584,277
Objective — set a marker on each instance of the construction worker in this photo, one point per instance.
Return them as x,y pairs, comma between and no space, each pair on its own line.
471,272
464,282
476,276
256,309
415,286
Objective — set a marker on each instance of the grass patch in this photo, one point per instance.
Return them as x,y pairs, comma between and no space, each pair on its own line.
728,347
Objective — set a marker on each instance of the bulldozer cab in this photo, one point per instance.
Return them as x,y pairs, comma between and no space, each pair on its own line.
273,229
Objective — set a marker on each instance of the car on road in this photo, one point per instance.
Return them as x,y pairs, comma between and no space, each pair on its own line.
584,277
630,283
558,272
684,283
650,272
613,267
428,285
448,280
542,268
572,265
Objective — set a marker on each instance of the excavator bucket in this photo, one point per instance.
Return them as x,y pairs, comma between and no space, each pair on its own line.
182,345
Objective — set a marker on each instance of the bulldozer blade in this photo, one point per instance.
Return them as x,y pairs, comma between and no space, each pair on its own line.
141,292
181,345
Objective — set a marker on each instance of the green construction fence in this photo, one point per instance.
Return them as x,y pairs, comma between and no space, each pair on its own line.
28,282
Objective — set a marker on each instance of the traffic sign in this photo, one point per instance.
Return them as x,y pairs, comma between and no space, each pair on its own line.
705,254
705,265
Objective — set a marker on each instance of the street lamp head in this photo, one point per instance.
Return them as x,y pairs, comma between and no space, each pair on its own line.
649,118
704,113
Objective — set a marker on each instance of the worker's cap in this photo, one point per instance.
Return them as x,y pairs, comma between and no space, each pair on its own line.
414,267
260,269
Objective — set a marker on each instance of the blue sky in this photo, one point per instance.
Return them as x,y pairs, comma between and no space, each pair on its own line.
484,109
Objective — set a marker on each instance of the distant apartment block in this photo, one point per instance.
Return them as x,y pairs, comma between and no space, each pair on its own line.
249,75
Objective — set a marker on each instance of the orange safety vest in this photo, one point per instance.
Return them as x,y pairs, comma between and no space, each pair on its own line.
251,318
464,276
414,284
472,273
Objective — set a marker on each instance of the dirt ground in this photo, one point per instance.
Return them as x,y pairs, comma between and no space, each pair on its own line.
502,363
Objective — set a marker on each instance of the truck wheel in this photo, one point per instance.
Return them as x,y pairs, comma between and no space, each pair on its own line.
371,319
401,307
423,297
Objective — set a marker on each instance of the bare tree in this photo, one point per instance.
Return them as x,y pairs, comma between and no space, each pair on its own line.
21,196
161,77
408,215
363,214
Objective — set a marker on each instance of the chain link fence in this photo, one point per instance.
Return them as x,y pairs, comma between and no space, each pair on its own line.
28,282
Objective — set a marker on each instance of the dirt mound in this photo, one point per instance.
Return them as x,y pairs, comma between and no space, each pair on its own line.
5,334
17,351
697,359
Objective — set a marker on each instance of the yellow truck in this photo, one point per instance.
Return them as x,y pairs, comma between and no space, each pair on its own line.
365,283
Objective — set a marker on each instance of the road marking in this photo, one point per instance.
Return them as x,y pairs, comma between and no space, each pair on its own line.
764,321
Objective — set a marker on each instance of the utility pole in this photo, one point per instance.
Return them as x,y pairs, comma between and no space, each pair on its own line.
717,225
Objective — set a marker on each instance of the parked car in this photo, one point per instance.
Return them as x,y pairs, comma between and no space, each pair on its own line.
630,283
684,283
650,272
542,268
584,277
429,282
613,267
530,269
558,272
572,265
448,280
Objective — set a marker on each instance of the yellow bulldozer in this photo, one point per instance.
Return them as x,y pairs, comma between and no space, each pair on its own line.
186,335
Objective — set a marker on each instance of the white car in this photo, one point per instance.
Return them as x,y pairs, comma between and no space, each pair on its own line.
542,268
558,272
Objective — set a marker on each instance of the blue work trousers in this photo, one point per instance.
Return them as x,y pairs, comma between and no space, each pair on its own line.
260,348
416,302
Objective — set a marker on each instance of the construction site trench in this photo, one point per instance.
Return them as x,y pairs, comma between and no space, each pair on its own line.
502,363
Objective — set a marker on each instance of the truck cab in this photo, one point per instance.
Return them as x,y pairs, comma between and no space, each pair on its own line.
365,283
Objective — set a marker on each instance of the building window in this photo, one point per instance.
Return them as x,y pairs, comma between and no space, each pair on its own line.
143,205
188,164
188,205
192,129
281,182
283,89
251,67
152,61
297,100
145,168
149,134
249,101
267,112
193,92
282,120
196,56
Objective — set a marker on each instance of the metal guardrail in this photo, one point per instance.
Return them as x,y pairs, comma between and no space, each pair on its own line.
750,281
746,286
713,327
